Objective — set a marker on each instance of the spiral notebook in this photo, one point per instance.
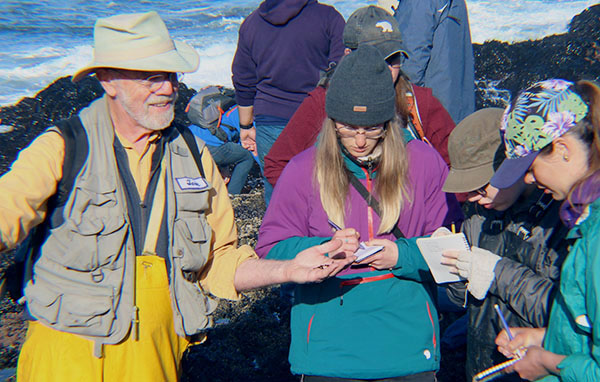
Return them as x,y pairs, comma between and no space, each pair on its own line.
432,247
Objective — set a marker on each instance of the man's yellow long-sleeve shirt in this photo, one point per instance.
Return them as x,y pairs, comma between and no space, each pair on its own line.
34,177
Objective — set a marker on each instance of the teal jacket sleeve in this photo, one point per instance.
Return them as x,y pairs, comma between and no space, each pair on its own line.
411,264
584,259
288,249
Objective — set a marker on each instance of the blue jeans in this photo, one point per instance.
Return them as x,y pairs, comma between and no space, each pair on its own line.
233,154
265,137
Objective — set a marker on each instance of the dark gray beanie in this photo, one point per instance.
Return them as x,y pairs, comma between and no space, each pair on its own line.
361,91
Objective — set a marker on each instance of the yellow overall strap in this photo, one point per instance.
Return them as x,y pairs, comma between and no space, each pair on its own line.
154,224
156,215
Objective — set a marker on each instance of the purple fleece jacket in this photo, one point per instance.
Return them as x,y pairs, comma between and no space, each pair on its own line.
295,209
282,46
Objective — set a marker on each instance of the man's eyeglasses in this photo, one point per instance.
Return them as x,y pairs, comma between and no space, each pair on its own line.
369,132
153,82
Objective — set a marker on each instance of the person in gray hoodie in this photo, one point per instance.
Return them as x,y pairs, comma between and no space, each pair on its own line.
282,47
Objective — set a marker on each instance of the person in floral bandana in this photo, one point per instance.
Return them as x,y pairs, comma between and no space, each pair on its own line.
551,133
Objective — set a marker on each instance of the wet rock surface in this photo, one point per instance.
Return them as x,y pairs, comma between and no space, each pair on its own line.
502,69
250,339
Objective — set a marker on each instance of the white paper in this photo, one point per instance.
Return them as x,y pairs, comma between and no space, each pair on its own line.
365,251
432,247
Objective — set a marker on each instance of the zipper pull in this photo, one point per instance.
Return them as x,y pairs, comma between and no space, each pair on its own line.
135,322
466,294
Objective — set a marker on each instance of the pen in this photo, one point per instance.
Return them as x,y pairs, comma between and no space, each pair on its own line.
335,226
453,228
504,323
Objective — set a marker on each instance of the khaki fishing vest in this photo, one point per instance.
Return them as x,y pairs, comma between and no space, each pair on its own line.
84,276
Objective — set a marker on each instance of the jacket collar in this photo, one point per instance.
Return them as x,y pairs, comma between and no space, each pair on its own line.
358,166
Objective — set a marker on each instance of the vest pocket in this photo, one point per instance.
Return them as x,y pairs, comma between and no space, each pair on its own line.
87,315
192,200
191,239
93,243
195,311
75,310
43,302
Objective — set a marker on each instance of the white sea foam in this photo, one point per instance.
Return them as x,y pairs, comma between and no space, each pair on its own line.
39,68
215,66
519,20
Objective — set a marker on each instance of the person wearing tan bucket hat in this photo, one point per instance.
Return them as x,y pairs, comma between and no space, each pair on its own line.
139,42
122,274
517,237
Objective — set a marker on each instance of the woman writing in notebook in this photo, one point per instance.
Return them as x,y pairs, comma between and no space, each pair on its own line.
378,319
552,138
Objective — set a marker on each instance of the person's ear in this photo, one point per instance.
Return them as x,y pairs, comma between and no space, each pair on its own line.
105,78
562,148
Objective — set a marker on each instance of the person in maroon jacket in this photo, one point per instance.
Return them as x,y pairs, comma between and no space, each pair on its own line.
422,113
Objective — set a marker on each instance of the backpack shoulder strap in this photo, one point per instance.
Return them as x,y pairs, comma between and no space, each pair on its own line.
76,153
190,140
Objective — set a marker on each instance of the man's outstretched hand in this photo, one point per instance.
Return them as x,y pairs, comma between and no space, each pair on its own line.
312,265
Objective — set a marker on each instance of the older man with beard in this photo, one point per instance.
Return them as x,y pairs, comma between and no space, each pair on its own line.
122,285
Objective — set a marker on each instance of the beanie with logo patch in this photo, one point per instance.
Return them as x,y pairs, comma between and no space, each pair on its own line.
361,92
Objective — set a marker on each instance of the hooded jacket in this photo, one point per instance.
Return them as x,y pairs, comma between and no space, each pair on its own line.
363,323
282,46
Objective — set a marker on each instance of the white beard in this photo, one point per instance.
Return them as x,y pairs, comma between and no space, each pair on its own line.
151,121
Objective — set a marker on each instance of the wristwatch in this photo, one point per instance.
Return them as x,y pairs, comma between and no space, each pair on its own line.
246,127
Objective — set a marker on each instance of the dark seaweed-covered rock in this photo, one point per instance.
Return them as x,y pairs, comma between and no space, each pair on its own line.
502,69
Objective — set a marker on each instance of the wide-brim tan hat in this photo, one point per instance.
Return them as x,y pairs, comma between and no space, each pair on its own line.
138,41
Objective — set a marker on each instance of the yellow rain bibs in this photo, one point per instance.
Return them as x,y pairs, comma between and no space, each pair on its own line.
53,356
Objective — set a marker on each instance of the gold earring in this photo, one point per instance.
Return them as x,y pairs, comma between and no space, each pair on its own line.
565,158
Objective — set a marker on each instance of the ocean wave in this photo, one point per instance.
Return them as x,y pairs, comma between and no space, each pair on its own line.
520,20
38,38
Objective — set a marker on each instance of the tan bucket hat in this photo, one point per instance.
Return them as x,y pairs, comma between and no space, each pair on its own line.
475,150
138,41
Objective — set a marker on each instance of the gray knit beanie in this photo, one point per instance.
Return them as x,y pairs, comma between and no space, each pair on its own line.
361,91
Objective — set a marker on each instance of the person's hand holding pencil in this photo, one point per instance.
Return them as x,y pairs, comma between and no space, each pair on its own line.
522,339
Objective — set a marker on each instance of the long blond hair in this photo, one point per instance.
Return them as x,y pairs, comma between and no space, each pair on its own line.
391,183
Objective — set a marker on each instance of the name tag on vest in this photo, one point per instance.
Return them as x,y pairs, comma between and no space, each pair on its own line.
198,184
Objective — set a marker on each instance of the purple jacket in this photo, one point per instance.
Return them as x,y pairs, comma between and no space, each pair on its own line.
282,46
295,209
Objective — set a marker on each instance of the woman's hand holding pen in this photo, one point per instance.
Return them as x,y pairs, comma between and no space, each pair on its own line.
350,241
522,338
536,362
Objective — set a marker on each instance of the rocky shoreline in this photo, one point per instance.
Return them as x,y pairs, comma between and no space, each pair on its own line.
249,341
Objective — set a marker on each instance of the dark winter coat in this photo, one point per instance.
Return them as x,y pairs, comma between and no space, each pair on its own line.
531,242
